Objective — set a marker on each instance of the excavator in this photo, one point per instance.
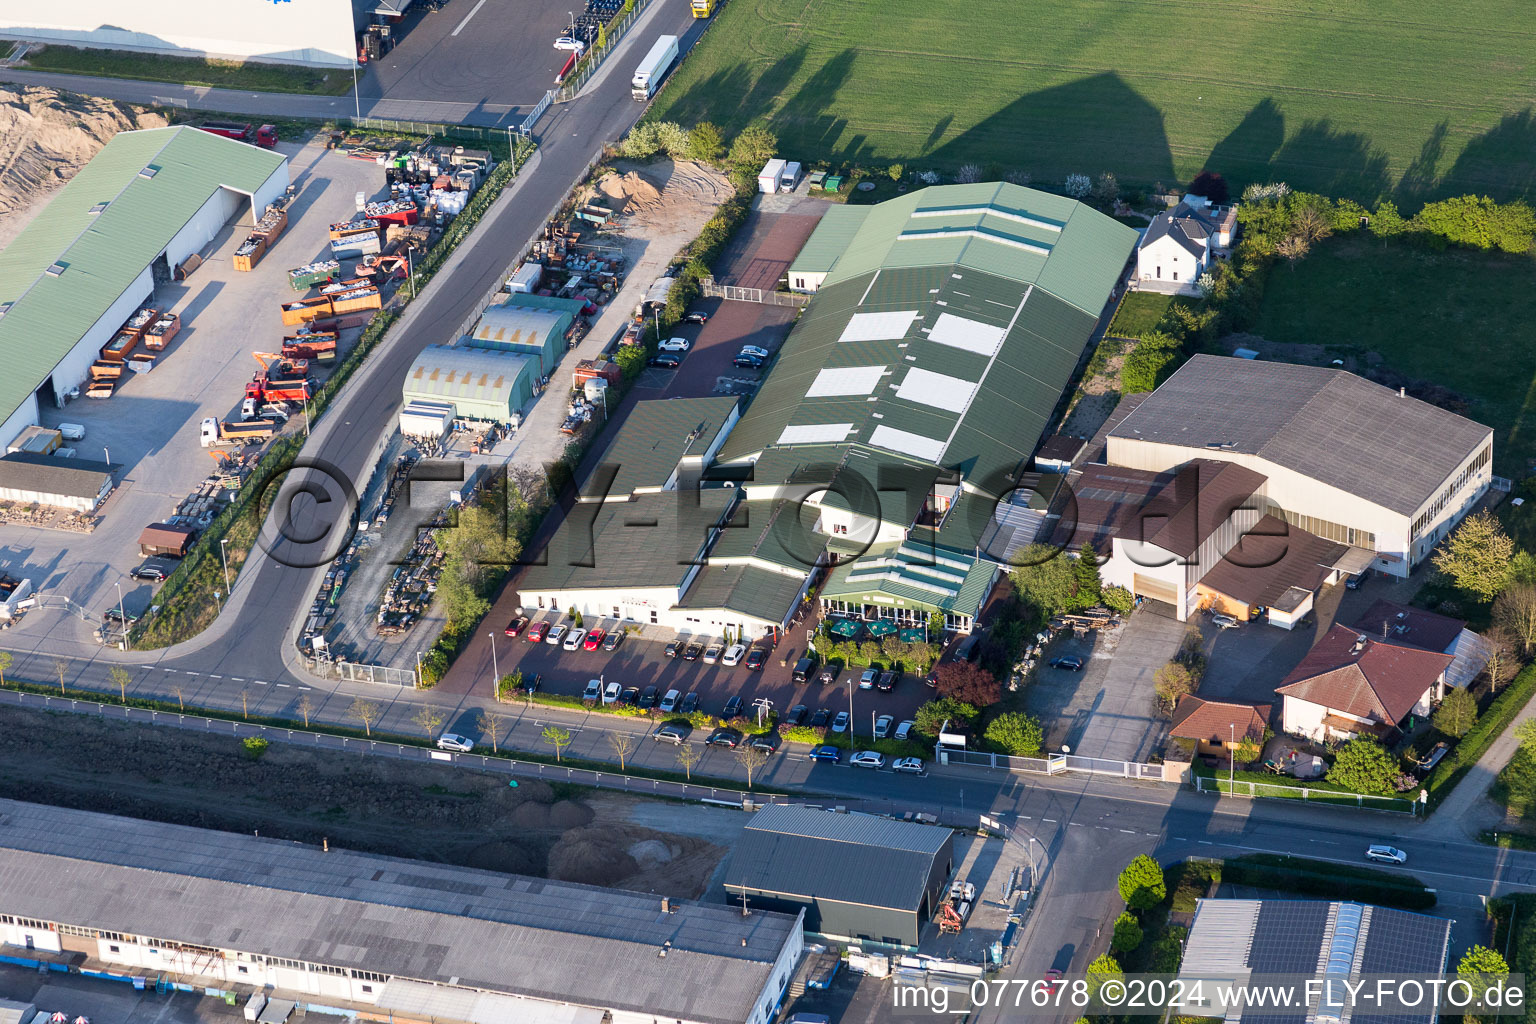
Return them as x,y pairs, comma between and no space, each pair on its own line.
281,380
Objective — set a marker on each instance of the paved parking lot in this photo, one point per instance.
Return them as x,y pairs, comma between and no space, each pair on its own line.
768,242
489,52
150,426
707,368
641,661
1106,710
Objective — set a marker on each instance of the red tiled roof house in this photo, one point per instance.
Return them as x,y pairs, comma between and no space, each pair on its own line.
1217,725
1353,684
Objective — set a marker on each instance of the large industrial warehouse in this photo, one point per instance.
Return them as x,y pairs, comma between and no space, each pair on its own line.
400,939
317,32
146,202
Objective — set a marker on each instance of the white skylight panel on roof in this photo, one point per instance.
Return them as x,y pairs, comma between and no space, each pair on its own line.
971,335
815,433
891,326
907,443
937,389
845,380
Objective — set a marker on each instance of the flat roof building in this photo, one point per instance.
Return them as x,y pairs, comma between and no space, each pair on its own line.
412,939
91,258
480,384
80,485
1344,459
854,876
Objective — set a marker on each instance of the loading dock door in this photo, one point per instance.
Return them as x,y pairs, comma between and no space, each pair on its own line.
1155,589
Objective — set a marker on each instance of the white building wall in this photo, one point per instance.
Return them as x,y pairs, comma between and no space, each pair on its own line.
804,282
26,415
29,936
1164,258
1129,559
204,225
269,192
75,368
316,32
1286,488
633,603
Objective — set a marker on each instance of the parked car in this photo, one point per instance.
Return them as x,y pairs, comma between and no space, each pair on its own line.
828,675
826,752
593,641
803,669
556,634
755,658
820,718
611,693
724,737
574,639
732,656
911,765
453,741
669,360
672,345
904,730
883,726
594,690
516,625
732,709
692,652
670,700
712,654
840,722
868,677
675,733
867,759
149,571
795,715
536,632
695,317
1385,854
674,648
1068,663
612,640
754,350
1224,621
1353,582
749,362
648,697
888,680
767,742
630,697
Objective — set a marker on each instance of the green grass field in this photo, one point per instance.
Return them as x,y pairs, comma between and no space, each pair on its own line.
189,71
1139,312
1353,99
1463,320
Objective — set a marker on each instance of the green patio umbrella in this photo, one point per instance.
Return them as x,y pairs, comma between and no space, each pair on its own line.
881,627
845,627
913,635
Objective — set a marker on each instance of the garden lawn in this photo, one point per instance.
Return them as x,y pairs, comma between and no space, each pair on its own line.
1344,99
1139,312
223,74
1459,319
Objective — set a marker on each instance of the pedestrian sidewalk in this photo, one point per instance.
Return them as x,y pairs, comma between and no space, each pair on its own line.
1467,811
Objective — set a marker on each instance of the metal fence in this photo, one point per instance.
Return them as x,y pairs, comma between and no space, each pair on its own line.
384,124
356,672
1248,788
616,30
526,128
1054,764
602,779
729,291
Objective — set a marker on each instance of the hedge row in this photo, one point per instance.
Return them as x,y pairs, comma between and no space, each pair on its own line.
1330,881
1489,727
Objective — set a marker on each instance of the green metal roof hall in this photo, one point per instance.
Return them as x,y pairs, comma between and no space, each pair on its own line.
944,332
95,253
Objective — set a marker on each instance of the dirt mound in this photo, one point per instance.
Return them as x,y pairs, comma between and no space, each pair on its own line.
650,853
531,815
46,136
636,195
594,855
569,814
663,190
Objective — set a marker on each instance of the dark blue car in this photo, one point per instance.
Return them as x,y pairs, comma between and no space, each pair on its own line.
826,753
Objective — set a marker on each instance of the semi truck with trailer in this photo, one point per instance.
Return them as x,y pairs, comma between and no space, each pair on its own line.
654,67
264,136
216,432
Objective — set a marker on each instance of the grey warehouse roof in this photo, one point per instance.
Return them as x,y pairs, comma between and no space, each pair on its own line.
103,229
49,474
657,435
431,922
857,858
1324,423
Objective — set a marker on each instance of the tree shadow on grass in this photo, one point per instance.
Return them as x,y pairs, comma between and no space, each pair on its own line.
806,113
1244,156
1316,158
1500,163
1098,123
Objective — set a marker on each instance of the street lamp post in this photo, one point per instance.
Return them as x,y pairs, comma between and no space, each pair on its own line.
122,617
418,670
108,453
1033,881
1231,757
495,672
357,103
224,557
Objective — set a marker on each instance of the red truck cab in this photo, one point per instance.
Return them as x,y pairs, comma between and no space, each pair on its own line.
265,136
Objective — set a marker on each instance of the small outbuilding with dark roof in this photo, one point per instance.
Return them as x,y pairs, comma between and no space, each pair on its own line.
1217,726
856,876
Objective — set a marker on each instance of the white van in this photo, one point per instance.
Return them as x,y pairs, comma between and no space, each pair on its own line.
72,431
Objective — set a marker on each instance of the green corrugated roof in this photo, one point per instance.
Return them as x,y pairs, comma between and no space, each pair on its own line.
477,381
933,579
650,541
767,531
656,435
831,237
746,589
952,270
103,253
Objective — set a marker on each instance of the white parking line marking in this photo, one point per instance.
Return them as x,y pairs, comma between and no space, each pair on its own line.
472,12
238,679
285,686
215,677
1129,832
259,682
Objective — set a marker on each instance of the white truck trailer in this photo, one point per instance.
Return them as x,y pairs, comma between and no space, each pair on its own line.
654,67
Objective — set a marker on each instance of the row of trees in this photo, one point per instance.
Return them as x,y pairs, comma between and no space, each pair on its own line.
1052,581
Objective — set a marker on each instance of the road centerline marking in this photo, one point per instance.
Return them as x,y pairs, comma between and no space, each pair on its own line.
472,12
